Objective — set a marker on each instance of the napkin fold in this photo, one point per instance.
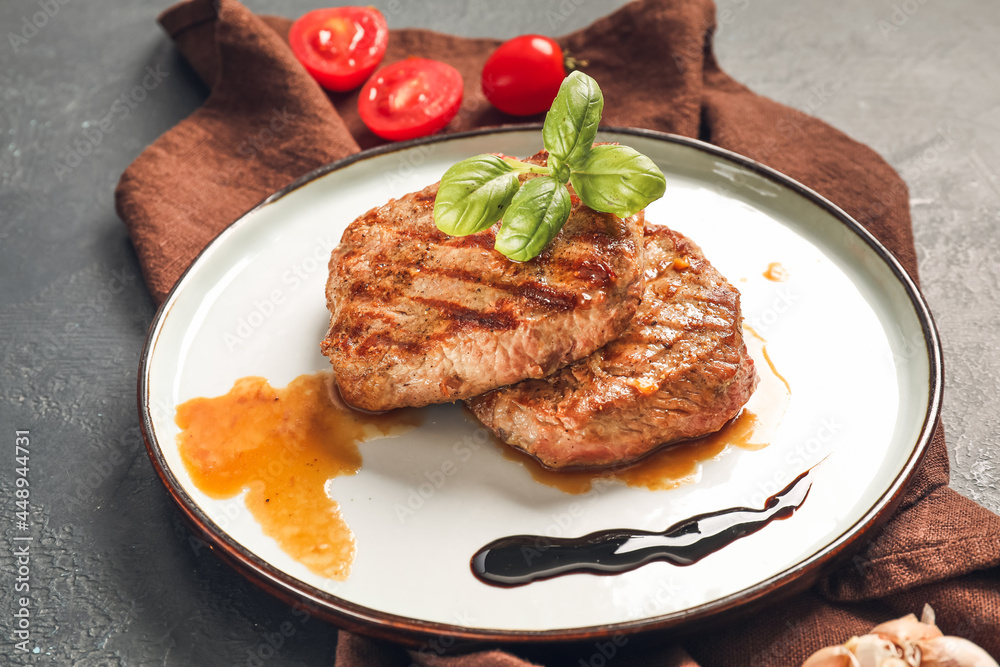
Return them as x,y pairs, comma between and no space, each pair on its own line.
266,122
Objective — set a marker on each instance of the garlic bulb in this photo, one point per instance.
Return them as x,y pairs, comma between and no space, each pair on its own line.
872,650
906,629
832,656
903,642
954,652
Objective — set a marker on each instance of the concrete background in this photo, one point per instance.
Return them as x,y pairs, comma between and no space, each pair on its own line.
113,575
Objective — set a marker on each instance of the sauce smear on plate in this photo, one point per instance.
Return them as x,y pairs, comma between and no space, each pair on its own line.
522,559
282,446
776,273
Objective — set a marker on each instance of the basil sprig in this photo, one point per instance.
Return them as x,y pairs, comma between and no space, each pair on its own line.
480,190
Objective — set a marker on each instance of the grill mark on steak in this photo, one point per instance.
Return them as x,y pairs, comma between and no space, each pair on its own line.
484,240
420,317
461,318
680,370
550,298
430,236
593,271
555,301
455,273
425,197
381,341
543,295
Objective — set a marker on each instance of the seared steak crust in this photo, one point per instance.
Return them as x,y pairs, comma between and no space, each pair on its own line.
420,317
679,371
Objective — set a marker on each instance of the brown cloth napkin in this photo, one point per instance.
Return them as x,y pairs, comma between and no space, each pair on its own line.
266,122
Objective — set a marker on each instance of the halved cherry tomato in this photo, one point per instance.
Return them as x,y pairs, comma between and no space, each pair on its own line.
340,46
523,75
410,98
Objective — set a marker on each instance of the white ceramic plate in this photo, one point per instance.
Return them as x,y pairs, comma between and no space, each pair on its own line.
848,330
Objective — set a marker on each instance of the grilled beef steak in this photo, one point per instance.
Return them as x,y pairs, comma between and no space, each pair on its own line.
679,371
420,317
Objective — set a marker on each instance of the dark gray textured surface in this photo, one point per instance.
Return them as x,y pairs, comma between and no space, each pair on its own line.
114,578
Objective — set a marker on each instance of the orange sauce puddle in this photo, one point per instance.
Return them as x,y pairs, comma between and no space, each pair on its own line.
776,273
282,446
675,465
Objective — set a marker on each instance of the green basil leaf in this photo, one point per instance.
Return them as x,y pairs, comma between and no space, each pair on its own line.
617,179
539,210
571,123
473,195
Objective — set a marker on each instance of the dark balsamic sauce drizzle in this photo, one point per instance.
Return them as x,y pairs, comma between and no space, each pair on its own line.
522,559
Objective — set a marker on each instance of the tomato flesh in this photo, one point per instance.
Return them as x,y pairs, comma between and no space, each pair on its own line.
411,98
523,75
340,46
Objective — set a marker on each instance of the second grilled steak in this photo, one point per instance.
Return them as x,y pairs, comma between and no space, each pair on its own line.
420,317
679,371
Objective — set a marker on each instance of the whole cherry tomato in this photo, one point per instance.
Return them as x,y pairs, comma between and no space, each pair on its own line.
410,98
523,75
340,46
